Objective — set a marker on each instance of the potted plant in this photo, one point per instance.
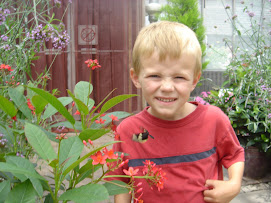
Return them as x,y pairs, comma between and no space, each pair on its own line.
245,96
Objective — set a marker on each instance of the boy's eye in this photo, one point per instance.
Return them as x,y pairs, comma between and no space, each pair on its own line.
179,77
153,76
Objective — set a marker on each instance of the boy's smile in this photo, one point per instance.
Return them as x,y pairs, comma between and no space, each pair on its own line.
166,85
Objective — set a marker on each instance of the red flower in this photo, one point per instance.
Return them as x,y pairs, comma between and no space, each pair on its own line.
61,136
101,121
5,67
77,113
14,118
92,63
117,136
114,127
114,118
30,106
130,172
98,158
110,154
90,142
150,169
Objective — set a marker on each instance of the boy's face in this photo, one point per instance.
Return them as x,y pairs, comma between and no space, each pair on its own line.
167,85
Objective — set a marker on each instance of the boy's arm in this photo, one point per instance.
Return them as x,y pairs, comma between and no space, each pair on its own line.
123,198
224,191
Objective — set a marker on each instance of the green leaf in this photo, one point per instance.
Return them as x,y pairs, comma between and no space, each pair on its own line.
86,194
264,138
118,114
19,99
20,88
82,108
55,103
71,149
76,163
7,106
39,103
6,167
26,164
77,125
50,110
116,187
82,91
116,100
39,141
23,192
4,190
87,170
92,134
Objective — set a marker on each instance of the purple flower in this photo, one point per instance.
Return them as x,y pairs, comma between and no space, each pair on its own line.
57,3
3,15
204,94
264,87
38,34
61,41
4,38
200,100
269,115
251,14
6,47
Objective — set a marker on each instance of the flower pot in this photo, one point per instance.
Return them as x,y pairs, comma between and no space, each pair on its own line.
256,163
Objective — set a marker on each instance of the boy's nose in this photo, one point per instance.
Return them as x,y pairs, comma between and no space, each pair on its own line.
167,85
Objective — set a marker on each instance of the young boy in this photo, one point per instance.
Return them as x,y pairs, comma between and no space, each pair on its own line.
189,141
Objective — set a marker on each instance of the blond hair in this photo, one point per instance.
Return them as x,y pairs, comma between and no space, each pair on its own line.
169,39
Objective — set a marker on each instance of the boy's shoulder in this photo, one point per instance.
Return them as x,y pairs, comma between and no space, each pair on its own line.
135,118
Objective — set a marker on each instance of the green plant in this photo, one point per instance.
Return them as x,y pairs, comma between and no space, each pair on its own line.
69,165
27,27
245,97
187,13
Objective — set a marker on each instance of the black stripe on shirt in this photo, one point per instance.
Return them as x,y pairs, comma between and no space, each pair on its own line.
174,159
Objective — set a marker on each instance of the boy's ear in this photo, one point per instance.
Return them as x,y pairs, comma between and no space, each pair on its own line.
196,80
134,78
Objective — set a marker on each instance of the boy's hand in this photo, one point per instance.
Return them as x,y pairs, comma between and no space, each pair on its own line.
224,191
220,191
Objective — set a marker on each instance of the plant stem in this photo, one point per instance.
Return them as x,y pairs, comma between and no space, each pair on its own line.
35,12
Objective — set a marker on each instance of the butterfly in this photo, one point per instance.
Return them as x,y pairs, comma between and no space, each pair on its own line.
142,137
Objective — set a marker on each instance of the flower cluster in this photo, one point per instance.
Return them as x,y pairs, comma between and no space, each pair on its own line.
61,136
93,64
61,41
3,15
40,34
155,176
44,33
150,169
30,106
100,158
4,38
5,67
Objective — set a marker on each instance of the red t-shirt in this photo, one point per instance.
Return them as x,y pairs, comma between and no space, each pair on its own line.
190,151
